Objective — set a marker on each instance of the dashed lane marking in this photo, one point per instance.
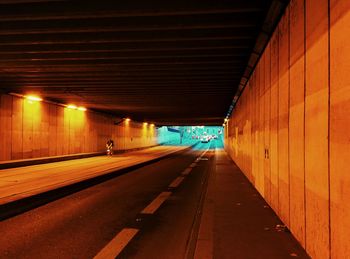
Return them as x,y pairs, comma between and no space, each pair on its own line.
186,171
176,182
117,244
120,241
203,154
155,204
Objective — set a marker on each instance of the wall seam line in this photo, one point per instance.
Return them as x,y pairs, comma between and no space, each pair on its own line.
22,101
278,110
289,176
305,243
329,131
11,150
270,124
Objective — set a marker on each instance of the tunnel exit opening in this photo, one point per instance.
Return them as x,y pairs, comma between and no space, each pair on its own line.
203,137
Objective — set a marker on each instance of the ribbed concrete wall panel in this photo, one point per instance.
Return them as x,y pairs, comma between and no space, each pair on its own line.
267,113
306,121
283,117
254,146
339,128
36,117
66,130
296,120
45,138
61,142
5,127
17,129
27,130
316,129
274,122
247,125
53,130
261,102
249,109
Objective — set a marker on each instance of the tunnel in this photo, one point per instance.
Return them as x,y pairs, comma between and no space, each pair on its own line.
184,129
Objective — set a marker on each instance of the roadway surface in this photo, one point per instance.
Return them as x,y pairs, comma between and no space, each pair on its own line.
83,224
27,181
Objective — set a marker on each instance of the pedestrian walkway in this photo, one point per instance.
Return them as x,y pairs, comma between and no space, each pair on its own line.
237,222
23,182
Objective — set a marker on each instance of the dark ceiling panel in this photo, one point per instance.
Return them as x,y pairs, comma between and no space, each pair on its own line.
176,62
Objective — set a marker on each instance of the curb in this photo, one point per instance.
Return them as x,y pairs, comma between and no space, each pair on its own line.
45,160
19,206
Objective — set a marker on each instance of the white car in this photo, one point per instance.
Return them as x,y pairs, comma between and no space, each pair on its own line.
204,139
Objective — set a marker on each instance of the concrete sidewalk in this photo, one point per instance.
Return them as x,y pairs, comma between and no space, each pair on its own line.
236,221
23,182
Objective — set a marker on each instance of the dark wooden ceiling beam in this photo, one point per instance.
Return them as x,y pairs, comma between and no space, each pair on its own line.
31,10
125,74
118,79
126,47
73,63
117,68
123,83
126,37
118,56
237,23
115,54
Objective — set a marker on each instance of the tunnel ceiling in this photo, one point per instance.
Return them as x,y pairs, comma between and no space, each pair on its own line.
167,62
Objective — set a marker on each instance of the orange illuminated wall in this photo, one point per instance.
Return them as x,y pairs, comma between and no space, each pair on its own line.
30,129
130,134
289,132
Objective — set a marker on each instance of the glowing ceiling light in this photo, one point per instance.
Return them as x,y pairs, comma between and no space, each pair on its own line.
152,125
223,124
127,119
82,108
145,123
72,106
33,98
226,119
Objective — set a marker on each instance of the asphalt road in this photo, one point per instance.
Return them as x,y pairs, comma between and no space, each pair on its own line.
82,224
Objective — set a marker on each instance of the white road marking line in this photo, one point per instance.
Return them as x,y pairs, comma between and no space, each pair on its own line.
205,152
155,204
117,244
176,182
187,171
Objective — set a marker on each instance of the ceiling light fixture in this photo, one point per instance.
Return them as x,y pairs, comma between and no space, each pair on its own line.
72,106
33,98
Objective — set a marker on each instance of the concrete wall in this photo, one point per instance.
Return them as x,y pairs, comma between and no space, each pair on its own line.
39,129
289,132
